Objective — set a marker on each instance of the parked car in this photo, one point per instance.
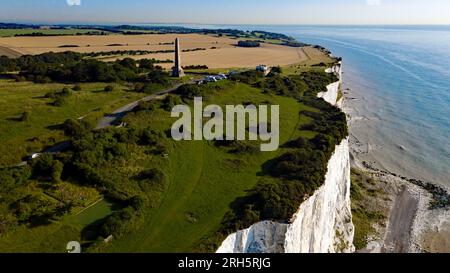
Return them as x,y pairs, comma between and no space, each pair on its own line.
210,79
221,77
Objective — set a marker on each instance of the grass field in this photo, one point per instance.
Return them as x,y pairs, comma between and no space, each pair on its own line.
204,179
19,138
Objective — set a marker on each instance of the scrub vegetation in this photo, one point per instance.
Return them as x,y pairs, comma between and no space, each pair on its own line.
149,192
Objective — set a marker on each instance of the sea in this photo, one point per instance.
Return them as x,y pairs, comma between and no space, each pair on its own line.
397,88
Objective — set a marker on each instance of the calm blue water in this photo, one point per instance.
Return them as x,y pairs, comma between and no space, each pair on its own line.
399,98
400,77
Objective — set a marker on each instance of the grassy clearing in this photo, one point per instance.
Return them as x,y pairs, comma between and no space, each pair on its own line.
204,179
40,129
54,235
201,180
316,61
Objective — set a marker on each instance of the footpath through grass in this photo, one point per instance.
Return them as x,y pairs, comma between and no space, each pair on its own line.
19,138
204,179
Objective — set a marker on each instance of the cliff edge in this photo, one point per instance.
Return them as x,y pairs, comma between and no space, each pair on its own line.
322,224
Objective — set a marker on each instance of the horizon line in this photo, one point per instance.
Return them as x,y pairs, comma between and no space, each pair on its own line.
205,24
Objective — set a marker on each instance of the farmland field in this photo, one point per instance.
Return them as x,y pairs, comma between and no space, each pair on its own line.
216,52
25,31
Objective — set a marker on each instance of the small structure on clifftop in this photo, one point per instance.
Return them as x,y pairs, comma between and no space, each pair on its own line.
177,69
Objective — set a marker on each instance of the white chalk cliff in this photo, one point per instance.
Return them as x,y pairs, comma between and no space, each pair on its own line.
322,224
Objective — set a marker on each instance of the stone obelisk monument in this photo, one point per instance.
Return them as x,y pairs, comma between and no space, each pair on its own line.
177,69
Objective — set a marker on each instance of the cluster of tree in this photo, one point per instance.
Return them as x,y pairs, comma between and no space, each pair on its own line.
47,167
248,77
68,46
316,81
194,49
320,123
194,67
11,178
76,128
306,84
249,43
74,67
17,26
37,209
36,34
184,30
189,91
271,35
129,53
294,44
33,207
294,176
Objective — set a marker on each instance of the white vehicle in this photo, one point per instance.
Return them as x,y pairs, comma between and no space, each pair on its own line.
210,79
262,68
34,156
221,77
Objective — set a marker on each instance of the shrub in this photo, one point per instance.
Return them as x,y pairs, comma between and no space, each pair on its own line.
116,224
77,88
151,88
188,91
25,116
152,176
75,128
12,177
170,101
43,166
138,87
66,92
57,169
20,79
109,88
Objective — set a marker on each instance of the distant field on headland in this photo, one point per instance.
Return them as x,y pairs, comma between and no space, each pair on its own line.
28,31
215,52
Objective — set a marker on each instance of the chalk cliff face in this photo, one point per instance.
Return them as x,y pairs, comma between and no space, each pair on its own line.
332,92
322,224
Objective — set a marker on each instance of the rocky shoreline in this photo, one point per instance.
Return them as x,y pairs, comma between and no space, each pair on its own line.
419,211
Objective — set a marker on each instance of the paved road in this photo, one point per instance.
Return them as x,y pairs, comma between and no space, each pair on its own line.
115,117
112,119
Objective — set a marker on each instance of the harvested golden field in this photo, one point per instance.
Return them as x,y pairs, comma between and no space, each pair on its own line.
5,51
219,52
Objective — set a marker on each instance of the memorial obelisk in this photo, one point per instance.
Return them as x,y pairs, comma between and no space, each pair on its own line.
177,69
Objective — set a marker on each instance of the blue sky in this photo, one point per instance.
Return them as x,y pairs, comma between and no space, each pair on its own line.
228,11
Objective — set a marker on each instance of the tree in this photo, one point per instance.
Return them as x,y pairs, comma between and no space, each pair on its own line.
147,64
43,165
75,128
57,169
60,101
77,87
